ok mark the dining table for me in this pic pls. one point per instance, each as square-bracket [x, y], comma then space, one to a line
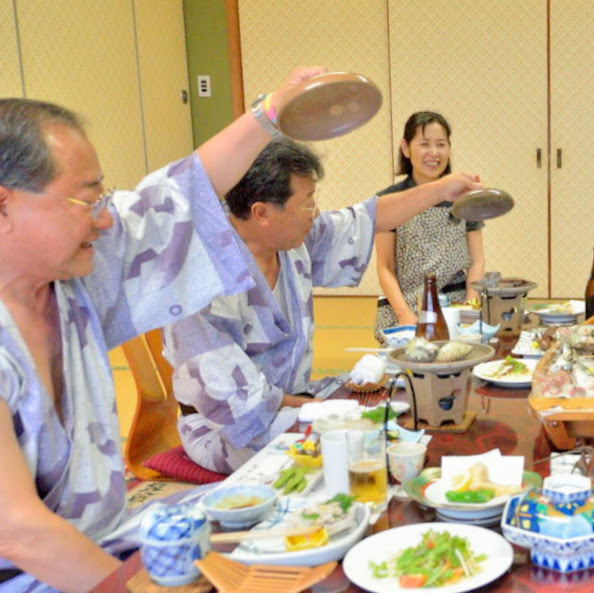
[503, 421]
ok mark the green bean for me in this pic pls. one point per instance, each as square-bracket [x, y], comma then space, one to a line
[301, 485]
[470, 496]
[294, 480]
[284, 476]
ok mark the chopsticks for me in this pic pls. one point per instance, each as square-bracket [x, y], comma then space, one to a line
[376, 350]
[237, 536]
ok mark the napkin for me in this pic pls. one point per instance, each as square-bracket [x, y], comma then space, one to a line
[370, 369]
[315, 410]
[502, 469]
[578, 307]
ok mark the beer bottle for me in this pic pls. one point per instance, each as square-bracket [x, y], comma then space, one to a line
[431, 324]
[590, 294]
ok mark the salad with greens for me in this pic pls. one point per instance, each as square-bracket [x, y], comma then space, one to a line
[440, 559]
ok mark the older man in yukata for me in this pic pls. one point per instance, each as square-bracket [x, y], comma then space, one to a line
[81, 272]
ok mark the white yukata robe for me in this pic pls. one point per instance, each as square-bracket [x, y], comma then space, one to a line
[164, 257]
[235, 359]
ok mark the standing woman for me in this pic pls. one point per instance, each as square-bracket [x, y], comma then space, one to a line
[433, 241]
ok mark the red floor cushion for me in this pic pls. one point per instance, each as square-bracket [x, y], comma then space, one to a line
[177, 465]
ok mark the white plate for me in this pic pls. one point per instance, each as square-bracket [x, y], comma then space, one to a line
[427, 490]
[265, 466]
[388, 544]
[272, 550]
[486, 369]
[549, 314]
[435, 494]
[525, 344]
[480, 521]
[553, 319]
[338, 421]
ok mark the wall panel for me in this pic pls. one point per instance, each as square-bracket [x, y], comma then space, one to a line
[10, 81]
[343, 35]
[163, 74]
[82, 54]
[483, 66]
[572, 130]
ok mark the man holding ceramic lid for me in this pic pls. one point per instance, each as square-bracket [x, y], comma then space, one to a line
[81, 272]
[243, 361]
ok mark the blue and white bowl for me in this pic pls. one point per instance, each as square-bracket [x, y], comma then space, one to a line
[243, 516]
[555, 523]
[399, 335]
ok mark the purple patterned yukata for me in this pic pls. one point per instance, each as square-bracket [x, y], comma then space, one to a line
[166, 256]
[236, 359]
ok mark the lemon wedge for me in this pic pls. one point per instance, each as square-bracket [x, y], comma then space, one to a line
[461, 482]
[316, 539]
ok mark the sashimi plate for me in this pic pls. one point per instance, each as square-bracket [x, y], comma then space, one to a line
[272, 550]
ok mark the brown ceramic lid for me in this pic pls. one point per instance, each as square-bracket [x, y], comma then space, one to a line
[327, 106]
[506, 286]
[481, 204]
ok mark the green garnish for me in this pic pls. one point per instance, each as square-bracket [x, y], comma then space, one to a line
[310, 516]
[378, 415]
[344, 500]
[510, 366]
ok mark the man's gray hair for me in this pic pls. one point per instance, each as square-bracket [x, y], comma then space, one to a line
[26, 161]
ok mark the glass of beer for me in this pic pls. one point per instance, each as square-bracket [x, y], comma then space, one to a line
[368, 476]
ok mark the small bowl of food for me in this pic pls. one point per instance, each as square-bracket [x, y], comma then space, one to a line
[239, 506]
[470, 338]
[487, 331]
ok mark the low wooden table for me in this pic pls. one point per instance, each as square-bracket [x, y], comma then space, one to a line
[502, 420]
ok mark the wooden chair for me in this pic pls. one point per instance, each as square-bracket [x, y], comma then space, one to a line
[154, 426]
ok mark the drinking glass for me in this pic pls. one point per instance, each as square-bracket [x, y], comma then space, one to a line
[368, 476]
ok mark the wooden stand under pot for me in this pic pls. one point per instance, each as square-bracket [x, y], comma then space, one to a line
[438, 391]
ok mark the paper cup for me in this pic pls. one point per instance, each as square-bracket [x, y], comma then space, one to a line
[452, 319]
[335, 462]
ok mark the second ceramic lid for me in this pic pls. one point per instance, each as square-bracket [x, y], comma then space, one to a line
[482, 204]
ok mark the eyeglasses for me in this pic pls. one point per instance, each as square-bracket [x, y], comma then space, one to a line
[96, 207]
[311, 209]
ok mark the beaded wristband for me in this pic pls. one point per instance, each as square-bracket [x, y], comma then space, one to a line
[265, 117]
[269, 109]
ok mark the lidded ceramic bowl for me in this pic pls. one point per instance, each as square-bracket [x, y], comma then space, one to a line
[555, 523]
